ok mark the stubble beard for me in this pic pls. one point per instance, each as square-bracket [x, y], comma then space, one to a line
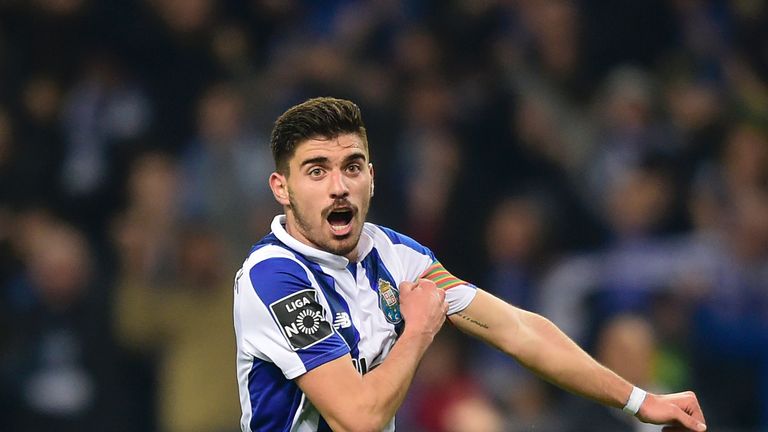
[343, 248]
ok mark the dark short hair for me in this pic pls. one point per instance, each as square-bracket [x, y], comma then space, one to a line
[323, 117]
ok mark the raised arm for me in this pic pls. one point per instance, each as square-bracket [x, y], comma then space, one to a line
[349, 401]
[541, 347]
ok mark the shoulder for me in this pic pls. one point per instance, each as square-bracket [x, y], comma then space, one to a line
[272, 271]
[270, 257]
[383, 235]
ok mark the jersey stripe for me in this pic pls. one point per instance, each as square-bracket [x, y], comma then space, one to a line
[375, 270]
[336, 302]
[270, 393]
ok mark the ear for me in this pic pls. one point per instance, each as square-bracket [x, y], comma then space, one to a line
[279, 185]
[370, 168]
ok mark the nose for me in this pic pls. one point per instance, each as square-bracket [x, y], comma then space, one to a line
[338, 185]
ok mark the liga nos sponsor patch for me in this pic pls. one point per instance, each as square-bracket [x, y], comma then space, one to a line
[301, 319]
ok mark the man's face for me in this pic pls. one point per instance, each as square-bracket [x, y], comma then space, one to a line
[327, 193]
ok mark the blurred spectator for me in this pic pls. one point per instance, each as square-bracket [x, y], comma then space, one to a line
[231, 48]
[745, 160]
[104, 116]
[39, 141]
[59, 366]
[184, 322]
[554, 30]
[626, 345]
[185, 17]
[629, 132]
[730, 326]
[695, 113]
[145, 232]
[224, 170]
[637, 203]
[516, 238]
[429, 187]
[639, 261]
[417, 53]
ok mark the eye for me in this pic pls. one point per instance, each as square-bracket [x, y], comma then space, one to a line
[316, 172]
[354, 168]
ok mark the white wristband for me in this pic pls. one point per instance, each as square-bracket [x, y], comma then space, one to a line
[636, 399]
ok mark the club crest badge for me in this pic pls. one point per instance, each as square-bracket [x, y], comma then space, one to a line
[389, 302]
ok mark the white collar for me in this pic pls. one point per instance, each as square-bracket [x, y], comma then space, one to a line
[364, 246]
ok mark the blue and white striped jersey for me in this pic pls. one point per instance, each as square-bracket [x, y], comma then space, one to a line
[297, 307]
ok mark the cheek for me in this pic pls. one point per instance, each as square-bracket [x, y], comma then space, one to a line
[307, 201]
[302, 192]
[362, 187]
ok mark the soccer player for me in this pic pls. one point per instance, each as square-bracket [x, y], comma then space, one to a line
[333, 314]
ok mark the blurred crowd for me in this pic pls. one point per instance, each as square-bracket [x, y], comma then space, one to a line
[602, 162]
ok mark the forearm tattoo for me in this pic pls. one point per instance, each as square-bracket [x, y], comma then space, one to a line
[473, 321]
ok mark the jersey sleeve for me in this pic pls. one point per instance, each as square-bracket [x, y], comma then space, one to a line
[458, 293]
[279, 317]
[420, 262]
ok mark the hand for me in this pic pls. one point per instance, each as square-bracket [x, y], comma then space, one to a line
[680, 411]
[423, 306]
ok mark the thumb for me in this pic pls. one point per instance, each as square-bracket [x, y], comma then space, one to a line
[689, 422]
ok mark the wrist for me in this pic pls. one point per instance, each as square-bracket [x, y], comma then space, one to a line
[635, 400]
[416, 336]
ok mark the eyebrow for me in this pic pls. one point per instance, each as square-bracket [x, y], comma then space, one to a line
[322, 160]
[355, 156]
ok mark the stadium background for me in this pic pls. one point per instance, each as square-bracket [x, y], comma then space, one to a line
[604, 163]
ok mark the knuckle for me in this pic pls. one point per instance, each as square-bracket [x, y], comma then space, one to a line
[427, 283]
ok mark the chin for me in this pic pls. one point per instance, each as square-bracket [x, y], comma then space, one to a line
[345, 245]
[341, 248]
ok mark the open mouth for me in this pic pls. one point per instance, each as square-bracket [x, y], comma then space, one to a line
[340, 220]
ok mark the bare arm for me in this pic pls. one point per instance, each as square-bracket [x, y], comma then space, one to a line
[372, 399]
[541, 347]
